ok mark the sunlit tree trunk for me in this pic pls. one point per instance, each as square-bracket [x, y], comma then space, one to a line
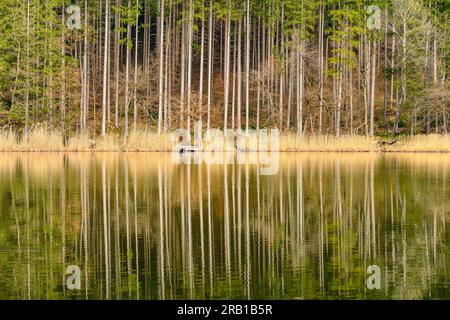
[105, 68]
[127, 70]
[247, 69]
[227, 67]
[202, 59]
[161, 66]
[210, 61]
[136, 48]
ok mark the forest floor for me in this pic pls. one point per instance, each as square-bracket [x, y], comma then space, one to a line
[43, 140]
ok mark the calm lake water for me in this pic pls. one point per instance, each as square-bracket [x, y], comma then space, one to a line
[139, 226]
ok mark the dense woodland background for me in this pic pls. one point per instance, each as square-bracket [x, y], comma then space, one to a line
[306, 66]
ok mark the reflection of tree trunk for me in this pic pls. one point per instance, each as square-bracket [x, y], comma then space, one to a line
[105, 227]
[404, 244]
[259, 217]
[85, 224]
[300, 207]
[168, 224]
[280, 196]
[183, 219]
[189, 236]
[226, 227]
[290, 211]
[135, 191]
[127, 224]
[161, 66]
[402, 81]
[63, 232]
[372, 204]
[321, 232]
[247, 228]
[233, 209]
[393, 253]
[434, 235]
[210, 230]
[367, 219]
[338, 190]
[202, 239]
[239, 217]
[161, 235]
[117, 234]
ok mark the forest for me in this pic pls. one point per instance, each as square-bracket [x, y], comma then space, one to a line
[306, 67]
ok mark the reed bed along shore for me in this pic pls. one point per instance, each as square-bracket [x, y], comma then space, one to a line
[45, 140]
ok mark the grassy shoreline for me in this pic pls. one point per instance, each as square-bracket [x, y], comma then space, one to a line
[44, 140]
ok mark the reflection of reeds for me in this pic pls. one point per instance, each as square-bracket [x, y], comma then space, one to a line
[430, 161]
[40, 166]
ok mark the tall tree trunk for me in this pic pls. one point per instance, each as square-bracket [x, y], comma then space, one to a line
[85, 97]
[385, 79]
[127, 70]
[117, 33]
[239, 77]
[247, 69]
[227, 67]
[189, 66]
[161, 66]
[136, 48]
[210, 61]
[282, 74]
[392, 84]
[402, 79]
[202, 59]
[63, 70]
[300, 87]
[321, 62]
[372, 88]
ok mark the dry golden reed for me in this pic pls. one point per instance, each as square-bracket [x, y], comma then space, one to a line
[41, 139]
[350, 143]
[8, 141]
[423, 143]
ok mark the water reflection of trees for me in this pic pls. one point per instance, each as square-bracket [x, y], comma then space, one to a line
[142, 227]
